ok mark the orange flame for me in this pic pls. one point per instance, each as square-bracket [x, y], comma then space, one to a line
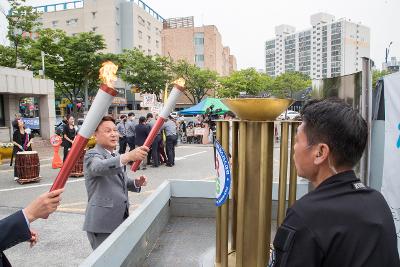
[108, 73]
[180, 82]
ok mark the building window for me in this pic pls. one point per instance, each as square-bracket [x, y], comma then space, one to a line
[94, 29]
[72, 22]
[140, 47]
[157, 31]
[148, 39]
[141, 20]
[157, 44]
[199, 40]
[148, 25]
[149, 52]
[199, 58]
[94, 14]
[140, 34]
[54, 23]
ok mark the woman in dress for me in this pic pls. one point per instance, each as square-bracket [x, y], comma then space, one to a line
[22, 142]
[69, 133]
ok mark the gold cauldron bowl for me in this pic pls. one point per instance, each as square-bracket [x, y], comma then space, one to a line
[257, 109]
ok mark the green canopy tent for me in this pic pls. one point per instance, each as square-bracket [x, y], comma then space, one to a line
[202, 107]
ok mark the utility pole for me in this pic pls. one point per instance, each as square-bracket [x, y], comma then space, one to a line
[42, 54]
[387, 52]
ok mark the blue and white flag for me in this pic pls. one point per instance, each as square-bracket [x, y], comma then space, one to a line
[223, 168]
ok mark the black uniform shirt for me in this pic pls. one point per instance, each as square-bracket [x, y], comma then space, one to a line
[341, 223]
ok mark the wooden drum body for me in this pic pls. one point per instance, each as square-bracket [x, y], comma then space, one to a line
[77, 170]
[28, 166]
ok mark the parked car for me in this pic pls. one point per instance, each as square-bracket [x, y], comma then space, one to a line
[289, 115]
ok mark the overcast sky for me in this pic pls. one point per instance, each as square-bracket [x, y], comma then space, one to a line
[245, 25]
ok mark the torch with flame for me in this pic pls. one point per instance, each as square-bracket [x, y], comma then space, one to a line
[98, 109]
[179, 87]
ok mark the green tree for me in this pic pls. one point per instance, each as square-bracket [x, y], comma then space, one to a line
[247, 80]
[21, 19]
[72, 62]
[149, 73]
[288, 83]
[199, 82]
[7, 56]
[377, 74]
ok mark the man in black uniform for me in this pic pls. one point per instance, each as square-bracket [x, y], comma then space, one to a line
[342, 223]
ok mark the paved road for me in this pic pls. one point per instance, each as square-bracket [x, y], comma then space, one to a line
[62, 242]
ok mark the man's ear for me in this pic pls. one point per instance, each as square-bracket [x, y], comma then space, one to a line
[322, 152]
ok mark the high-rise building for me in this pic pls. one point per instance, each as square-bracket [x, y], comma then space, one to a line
[201, 46]
[123, 24]
[330, 48]
[393, 65]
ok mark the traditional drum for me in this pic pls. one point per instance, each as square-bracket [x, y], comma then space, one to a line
[28, 166]
[77, 170]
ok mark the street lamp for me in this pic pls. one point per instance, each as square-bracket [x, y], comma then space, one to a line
[387, 52]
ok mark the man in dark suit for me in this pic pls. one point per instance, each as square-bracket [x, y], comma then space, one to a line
[155, 155]
[142, 131]
[107, 184]
[15, 228]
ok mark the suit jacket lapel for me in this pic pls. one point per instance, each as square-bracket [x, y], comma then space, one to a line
[104, 152]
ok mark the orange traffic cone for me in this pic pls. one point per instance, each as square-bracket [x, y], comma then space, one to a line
[56, 141]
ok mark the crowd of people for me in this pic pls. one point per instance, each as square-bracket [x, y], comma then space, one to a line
[199, 130]
[133, 133]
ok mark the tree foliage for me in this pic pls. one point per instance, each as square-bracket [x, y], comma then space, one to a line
[377, 74]
[7, 56]
[288, 83]
[149, 73]
[247, 80]
[22, 20]
[199, 82]
[72, 62]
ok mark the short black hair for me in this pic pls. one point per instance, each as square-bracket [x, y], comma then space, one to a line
[142, 119]
[149, 115]
[105, 118]
[131, 114]
[230, 114]
[337, 124]
[123, 116]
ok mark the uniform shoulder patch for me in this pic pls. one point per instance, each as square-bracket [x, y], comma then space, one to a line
[359, 186]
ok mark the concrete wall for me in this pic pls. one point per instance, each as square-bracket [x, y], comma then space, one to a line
[15, 84]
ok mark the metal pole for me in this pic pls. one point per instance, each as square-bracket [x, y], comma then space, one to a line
[265, 196]
[366, 98]
[43, 69]
[283, 172]
[293, 172]
[218, 212]
[225, 206]
[241, 193]
[235, 126]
